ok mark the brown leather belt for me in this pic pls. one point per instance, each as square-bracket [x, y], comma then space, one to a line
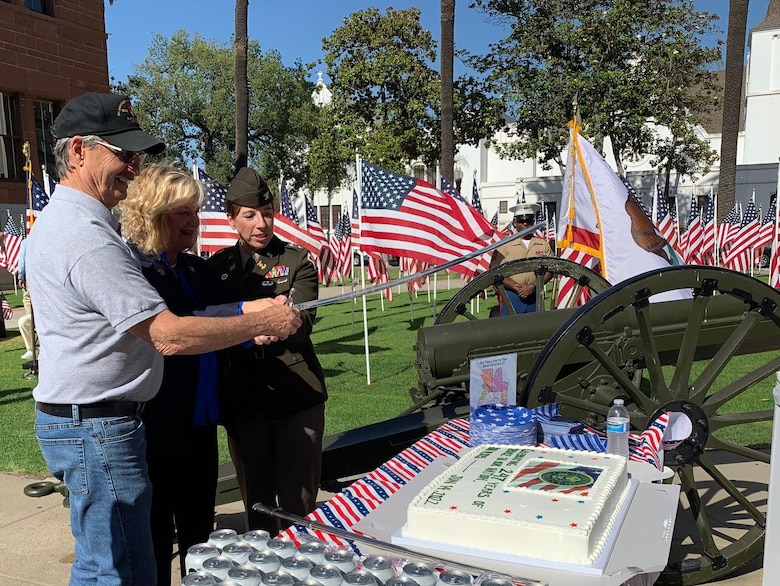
[92, 410]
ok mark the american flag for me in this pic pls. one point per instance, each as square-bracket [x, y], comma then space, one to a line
[694, 234]
[708, 232]
[726, 231]
[403, 216]
[666, 218]
[475, 199]
[567, 287]
[342, 246]
[215, 230]
[449, 188]
[494, 220]
[38, 200]
[774, 267]
[326, 262]
[766, 234]
[10, 246]
[8, 312]
[377, 273]
[738, 257]
[412, 266]
[286, 225]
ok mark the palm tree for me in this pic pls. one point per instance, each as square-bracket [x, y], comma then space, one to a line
[447, 57]
[240, 47]
[732, 104]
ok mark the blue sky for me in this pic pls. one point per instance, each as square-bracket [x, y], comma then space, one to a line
[295, 28]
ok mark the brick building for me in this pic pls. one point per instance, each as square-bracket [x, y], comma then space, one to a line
[50, 52]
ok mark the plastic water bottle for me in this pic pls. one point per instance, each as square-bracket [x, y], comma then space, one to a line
[618, 424]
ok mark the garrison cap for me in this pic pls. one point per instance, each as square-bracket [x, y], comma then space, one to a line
[249, 189]
[108, 116]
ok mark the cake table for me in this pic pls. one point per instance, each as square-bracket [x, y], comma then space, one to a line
[375, 505]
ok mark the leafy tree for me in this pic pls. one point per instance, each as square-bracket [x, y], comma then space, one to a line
[621, 61]
[386, 93]
[184, 92]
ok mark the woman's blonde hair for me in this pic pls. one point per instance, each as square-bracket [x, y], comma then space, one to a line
[159, 188]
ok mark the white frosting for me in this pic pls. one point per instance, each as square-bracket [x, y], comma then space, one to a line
[541, 503]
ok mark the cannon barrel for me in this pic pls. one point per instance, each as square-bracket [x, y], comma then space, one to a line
[444, 350]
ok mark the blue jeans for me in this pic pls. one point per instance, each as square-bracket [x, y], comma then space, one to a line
[103, 463]
[526, 305]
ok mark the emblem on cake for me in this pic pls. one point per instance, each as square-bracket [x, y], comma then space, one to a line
[555, 477]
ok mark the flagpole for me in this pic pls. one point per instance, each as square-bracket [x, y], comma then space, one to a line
[195, 176]
[363, 276]
[772, 261]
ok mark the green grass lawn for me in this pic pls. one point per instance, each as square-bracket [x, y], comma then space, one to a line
[338, 337]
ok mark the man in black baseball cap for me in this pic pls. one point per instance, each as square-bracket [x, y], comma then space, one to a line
[108, 116]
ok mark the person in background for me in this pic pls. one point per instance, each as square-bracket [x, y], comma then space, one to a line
[26, 323]
[104, 330]
[160, 221]
[273, 396]
[521, 287]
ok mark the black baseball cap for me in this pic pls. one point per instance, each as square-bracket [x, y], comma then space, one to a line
[109, 116]
[249, 189]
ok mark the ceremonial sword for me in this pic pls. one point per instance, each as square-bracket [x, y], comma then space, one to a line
[403, 280]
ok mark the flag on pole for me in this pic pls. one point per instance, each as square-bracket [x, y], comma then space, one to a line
[215, 230]
[325, 261]
[37, 201]
[475, 199]
[726, 232]
[494, 220]
[286, 225]
[344, 252]
[8, 312]
[599, 217]
[567, 287]
[666, 218]
[377, 273]
[10, 246]
[449, 188]
[738, 256]
[694, 234]
[766, 232]
[355, 220]
[403, 216]
[708, 232]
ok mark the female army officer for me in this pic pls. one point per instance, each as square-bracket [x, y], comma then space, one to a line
[273, 397]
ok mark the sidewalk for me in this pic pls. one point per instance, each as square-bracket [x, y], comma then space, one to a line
[38, 548]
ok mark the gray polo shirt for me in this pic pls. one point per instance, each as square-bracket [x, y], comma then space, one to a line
[87, 291]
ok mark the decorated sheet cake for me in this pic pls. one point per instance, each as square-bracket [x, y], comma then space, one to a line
[543, 503]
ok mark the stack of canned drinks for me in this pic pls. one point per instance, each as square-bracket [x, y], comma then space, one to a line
[255, 559]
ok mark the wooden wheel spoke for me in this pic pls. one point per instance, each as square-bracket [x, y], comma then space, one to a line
[711, 469]
[645, 403]
[658, 387]
[540, 291]
[697, 510]
[717, 399]
[701, 385]
[685, 359]
[739, 450]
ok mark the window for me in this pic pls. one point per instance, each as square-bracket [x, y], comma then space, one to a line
[11, 157]
[44, 118]
[503, 206]
[324, 218]
[335, 215]
[42, 6]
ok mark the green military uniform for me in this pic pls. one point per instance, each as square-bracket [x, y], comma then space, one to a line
[273, 396]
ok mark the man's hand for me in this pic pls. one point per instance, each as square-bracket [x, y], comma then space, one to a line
[282, 321]
[526, 290]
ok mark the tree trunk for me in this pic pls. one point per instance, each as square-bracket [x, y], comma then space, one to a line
[732, 105]
[241, 85]
[447, 57]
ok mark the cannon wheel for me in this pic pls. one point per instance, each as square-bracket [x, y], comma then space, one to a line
[698, 392]
[585, 279]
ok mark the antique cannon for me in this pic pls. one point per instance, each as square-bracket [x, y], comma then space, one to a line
[678, 356]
